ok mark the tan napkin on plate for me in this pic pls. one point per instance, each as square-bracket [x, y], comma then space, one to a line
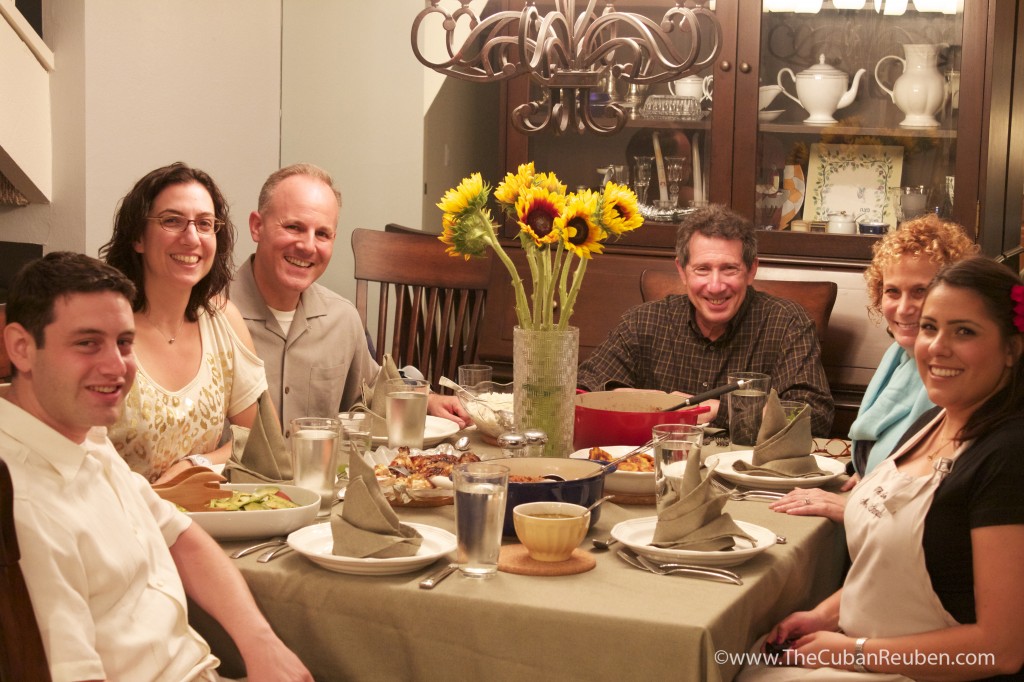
[690, 514]
[259, 454]
[375, 397]
[783, 446]
[367, 525]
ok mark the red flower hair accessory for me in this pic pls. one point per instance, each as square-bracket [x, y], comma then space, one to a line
[1017, 294]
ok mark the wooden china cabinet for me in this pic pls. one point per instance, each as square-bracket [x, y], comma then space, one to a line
[775, 168]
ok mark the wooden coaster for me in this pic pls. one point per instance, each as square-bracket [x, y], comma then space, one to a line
[633, 498]
[516, 559]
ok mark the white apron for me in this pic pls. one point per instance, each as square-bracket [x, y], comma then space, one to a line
[884, 521]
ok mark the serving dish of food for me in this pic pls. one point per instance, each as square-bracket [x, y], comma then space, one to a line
[417, 478]
[583, 483]
[626, 417]
[635, 476]
[258, 510]
[490, 404]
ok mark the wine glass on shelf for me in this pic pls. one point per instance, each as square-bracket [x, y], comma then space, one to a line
[674, 169]
[642, 166]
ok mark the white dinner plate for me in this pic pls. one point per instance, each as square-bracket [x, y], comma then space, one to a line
[316, 544]
[260, 523]
[436, 430]
[722, 462]
[631, 482]
[638, 533]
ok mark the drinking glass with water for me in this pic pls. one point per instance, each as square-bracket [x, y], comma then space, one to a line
[406, 412]
[672, 447]
[746, 407]
[480, 492]
[314, 449]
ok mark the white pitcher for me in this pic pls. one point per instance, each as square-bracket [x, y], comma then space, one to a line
[921, 90]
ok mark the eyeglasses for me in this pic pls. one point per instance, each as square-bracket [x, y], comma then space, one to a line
[177, 223]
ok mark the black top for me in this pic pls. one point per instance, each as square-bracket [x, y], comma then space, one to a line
[983, 489]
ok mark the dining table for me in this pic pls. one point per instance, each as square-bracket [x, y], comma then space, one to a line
[613, 622]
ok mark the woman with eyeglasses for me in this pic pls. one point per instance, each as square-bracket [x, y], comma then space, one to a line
[903, 264]
[197, 366]
[936, 531]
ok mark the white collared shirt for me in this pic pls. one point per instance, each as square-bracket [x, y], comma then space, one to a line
[94, 541]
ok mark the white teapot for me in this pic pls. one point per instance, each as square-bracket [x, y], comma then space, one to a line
[821, 89]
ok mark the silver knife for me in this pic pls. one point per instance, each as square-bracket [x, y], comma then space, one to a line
[433, 579]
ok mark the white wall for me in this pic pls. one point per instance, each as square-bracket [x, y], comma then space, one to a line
[353, 104]
[142, 83]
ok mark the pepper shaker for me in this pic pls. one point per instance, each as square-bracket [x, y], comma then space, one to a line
[512, 444]
[535, 441]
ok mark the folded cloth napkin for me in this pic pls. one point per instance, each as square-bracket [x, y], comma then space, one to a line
[784, 445]
[367, 525]
[375, 397]
[690, 514]
[259, 454]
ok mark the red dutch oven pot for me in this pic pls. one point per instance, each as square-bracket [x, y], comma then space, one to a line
[625, 417]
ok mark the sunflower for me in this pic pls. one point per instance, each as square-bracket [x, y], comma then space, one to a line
[469, 235]
[536, 210]
[469, 196]
[575, 225]
[512, 186]
[619, 212]
[581, 232]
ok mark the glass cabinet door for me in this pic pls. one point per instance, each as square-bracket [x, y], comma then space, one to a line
[664, 151]
[858, 113]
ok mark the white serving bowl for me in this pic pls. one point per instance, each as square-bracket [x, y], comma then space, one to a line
[260, 523]
[628, 482]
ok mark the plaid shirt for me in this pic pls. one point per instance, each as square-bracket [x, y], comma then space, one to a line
[658, 345]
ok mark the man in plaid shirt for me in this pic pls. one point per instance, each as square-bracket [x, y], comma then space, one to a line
[690, 343]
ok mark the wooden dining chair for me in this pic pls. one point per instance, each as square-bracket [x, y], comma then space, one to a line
[817, 297]
[22, 656]
[431, 305]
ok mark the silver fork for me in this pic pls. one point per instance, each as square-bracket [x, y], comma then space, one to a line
[735, 494]
[704, 572]
[274, 542]
[665, 568]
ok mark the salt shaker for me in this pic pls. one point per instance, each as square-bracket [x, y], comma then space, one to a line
[535, 441]
[512, 444]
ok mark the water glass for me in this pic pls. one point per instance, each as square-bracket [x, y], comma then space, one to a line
[791, 408]
[746, 407]
[314, 450]
[481, 489]
[355, 434]
[406, 412]
[471, 375]
[672, 448]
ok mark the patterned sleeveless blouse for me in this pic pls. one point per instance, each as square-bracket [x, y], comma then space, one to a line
[157, 427]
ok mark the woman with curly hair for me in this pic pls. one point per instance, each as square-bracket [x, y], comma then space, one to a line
[936, 530]
[903, 264]
[197, 366]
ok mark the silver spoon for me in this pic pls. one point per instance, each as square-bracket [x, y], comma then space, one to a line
[599, 502]
[462, 444]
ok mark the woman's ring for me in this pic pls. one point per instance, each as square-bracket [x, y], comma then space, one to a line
[807, 501]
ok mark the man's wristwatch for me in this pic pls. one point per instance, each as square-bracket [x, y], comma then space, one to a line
[198, 460]
[858, 655]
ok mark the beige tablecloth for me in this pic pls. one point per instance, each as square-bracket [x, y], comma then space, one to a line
[612, 623]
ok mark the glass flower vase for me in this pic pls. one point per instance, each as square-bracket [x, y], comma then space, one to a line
[544, 368]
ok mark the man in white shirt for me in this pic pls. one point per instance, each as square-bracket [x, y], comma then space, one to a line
[106, 561]
[310, 339]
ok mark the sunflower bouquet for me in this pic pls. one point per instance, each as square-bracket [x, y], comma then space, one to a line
[559, 233]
